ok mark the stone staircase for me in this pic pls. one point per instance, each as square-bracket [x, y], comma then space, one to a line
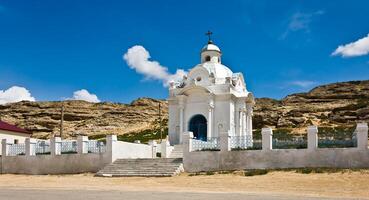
[177, 151]
[146, 167]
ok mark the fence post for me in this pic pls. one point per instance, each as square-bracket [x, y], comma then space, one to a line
[164, 148]
[30, 145]
[5, 144]
[224, 141]
[55, 146]
[312, 137]
[267, 138]
[187, 142]
[362, 135]
[153, 145]
[82, 142]
[110, 146]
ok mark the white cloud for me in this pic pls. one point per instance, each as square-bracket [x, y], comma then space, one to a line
[300, 22]
[303, 84]
[137, 58]
[15, 94]
[85, 96]
[357, 48]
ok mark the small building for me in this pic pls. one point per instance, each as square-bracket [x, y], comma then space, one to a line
[13, 133]
[209, 100]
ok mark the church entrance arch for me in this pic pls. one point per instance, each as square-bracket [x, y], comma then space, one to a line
[198, 125]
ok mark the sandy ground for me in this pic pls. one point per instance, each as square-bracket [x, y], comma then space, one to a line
[347, 184]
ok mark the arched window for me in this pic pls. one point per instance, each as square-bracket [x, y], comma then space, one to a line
[207, 58]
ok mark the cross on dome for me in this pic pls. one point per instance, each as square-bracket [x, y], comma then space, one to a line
[209, 33]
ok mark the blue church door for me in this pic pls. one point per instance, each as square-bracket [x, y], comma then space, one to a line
[198, 125]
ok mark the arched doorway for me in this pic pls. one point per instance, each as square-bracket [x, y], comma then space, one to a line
[198, 125]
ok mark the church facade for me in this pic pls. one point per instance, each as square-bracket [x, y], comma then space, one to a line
[209, 100]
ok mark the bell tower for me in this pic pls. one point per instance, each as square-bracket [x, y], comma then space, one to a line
[210, 52]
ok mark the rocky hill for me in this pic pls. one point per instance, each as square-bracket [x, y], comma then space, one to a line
[339, 104]
[80, 117]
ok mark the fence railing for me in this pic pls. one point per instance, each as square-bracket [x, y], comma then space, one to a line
[42, 147]
[337, 143]
[293, 143]
[245, 142]
[211, 144]
[17, 149]
[94, 146]
[68, 147]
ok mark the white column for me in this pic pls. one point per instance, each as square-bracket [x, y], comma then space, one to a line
[210, 121]
[181, 129]
[239, 123]
[244, 122]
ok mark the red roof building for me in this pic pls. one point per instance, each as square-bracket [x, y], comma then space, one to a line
[8, 127]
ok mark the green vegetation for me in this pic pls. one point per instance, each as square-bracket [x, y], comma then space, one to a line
[144, 136]
[254, 172]
[340, 132]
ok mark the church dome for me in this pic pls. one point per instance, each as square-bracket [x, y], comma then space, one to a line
[210, 47]
[219, 70]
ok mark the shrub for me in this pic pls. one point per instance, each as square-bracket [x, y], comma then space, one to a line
[255, 172]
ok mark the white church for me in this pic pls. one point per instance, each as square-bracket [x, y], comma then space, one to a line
[209, 100]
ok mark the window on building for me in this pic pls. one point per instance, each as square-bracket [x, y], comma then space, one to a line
[207, 58]
[16, 141]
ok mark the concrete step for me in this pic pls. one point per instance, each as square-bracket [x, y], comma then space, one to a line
[177, 152]
[160, 167]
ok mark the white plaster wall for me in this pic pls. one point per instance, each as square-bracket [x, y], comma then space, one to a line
[47, 164]
[131, 150]
[221, 115]
[276, 158]
[11, 136]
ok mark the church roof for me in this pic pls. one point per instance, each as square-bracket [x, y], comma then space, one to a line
[8, 127]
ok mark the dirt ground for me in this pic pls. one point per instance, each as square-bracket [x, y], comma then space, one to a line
[342, 184]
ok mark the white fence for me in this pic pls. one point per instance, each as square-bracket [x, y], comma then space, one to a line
[244, 153]
[56, 156]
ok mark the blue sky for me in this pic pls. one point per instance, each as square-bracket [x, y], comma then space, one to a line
[55, 48]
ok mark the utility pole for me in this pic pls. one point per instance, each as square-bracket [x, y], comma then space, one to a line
[161, 132]
[61, 120]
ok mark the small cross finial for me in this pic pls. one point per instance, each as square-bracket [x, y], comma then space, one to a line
[209, 33]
